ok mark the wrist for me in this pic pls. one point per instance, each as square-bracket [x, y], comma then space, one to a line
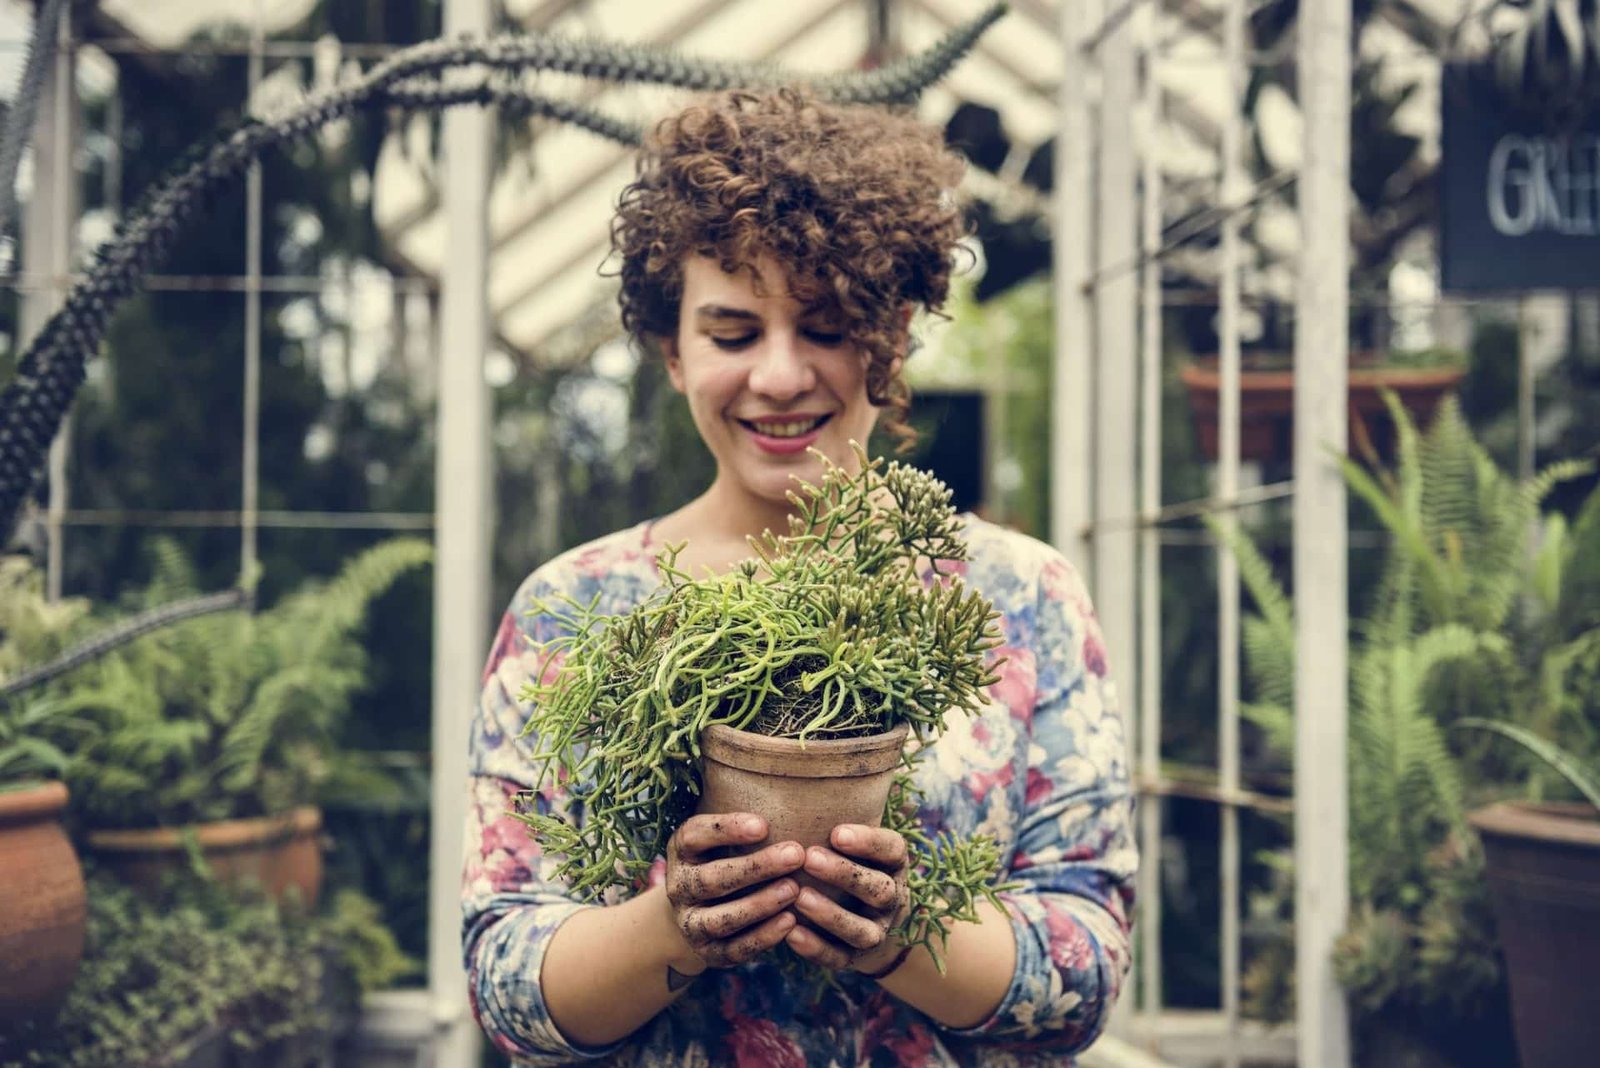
[674, 949]
[878, 966]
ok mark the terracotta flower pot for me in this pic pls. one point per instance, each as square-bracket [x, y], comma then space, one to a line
[1266, 403]
[1543, 869]
[43, 907]
[802, 789]
[275, 852]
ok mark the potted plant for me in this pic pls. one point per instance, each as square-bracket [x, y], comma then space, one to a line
[41, 881]
[1464, 626]
[817, 658]
[1419, 379]
[215, 735]
[1542, 853]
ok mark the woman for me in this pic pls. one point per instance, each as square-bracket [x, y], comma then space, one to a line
[773, 249]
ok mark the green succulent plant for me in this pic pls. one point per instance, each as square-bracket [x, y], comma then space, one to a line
[828, 632]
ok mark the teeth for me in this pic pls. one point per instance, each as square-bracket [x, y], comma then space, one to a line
[788, 430]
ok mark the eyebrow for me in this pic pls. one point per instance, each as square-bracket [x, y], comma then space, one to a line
[722, 311]
[719, 311]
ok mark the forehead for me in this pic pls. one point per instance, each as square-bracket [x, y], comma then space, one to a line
[762, 285]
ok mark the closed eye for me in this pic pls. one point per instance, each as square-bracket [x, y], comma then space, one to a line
[732, 344]
[827, 338]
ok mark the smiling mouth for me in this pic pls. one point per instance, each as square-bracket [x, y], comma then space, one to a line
[792, 429]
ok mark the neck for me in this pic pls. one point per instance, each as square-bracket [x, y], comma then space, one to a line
[717, 525]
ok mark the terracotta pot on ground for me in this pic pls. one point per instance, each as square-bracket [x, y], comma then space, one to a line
[802, 789]
[1543, 869]
[275, 852]
[43, 907]
[1266, 403]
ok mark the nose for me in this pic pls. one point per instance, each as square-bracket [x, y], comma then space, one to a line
[782, 369]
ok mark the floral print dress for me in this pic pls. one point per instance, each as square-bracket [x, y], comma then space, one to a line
[1042, 768]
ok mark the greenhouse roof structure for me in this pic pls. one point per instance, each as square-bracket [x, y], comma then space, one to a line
[550, 208]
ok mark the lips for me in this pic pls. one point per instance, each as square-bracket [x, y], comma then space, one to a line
[788, 434]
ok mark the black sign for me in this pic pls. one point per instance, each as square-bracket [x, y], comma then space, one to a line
[1519, 199]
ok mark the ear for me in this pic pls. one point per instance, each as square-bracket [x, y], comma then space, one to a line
[669, 356]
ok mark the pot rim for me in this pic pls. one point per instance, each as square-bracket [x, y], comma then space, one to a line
[1565, 823]
[1199, 374]
[215, 835]
[816, 758]
[30, 804]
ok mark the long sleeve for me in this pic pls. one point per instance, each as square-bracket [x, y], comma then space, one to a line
[1074, 850]
[511, 904]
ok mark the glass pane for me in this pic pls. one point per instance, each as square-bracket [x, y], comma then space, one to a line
[168, 110]
[347, 412]
[317, 193]
[158, 425]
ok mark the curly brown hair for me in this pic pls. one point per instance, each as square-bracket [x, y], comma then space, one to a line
[857, 203]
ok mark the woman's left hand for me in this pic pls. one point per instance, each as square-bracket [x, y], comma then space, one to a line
[869, 864]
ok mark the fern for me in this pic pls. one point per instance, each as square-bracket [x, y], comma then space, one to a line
[228, 715]
[1465, 625]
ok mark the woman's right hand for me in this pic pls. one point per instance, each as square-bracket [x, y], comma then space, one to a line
[730, 909]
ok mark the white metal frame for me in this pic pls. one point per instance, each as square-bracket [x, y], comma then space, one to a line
[464, 507]
[1102, 451]
[1105, 491]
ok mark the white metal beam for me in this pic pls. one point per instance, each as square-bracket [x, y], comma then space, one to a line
[1321, 814]
[1232, 190]
[1116, 362]
[1150, 338]
[1072, 407]
[464, 509]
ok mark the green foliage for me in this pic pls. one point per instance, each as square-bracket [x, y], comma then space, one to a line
[1463, 624]
[831, 632]
[230, 715]
[34, 731]
[160, 974]
[1558, 758]
[367, 948]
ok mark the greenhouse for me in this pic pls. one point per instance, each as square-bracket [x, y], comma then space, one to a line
[1210, 524]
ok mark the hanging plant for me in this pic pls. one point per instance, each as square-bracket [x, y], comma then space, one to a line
[1544, 55]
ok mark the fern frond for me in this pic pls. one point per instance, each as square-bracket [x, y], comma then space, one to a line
[1435, 585]
[1276, 723]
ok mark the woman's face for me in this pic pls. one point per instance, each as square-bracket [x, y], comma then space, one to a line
[767, 378]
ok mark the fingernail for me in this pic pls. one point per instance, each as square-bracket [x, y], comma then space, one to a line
[785, 891]
[846, 837]
[808, 898]
[750, 824]
[791, 854]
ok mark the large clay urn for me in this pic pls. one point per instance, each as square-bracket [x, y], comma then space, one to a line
[43, 907]
[280, 854]
[1542, 863]
[803, 789]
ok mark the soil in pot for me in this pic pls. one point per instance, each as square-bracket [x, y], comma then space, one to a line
[280, 854]
[802, 789]
[1543, 868]
[44, 907]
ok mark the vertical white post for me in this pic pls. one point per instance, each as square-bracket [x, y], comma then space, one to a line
[1321, 812]
[1150, 337]
[47, 256]
[1526, 376]
[250, 491]
[1116, 387]
[1232, 188]
[1071, 407]
[464, 517]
